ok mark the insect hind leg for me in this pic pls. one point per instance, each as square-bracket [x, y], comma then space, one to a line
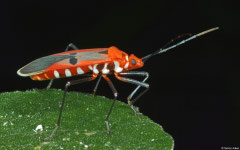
[70, 45]
[68, 84]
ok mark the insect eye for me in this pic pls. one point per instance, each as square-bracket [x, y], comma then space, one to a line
[134, 62]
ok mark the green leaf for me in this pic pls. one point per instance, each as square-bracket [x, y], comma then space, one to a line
[83, 123]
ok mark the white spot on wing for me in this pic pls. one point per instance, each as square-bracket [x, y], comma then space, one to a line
[68, 73]
[117, 67]
[126, 65]
[105, 70]
[79, 70]
[95, 69]
[56, 74]
[90, 67]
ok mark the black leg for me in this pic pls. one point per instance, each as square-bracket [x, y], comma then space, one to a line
[49, 84]
[137, 73]
[68, 84]
[115, 93]
[132, 81]
[96, 86]
[131, 102]
[72, 46]
[140, 73]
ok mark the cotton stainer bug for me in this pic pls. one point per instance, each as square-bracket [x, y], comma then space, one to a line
[93, 63]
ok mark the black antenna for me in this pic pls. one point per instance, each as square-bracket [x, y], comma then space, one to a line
[145, 58]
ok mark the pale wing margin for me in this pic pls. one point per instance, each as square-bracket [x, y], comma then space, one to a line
[39, 65]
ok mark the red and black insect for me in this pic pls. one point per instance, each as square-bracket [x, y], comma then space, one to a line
[93, 63]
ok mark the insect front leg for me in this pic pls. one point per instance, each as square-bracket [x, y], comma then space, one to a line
[136, 73]
[140, 84]
[72, 46]
[68, 84]
[115, 93]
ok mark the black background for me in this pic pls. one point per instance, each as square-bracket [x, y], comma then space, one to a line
[194, 91]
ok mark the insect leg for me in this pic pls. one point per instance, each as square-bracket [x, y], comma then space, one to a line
[131, 102]
[96, 86]
[143, 84]
[71, 45]
[137, 73]
[115, 93]
[49, 84]
[68, 84]
[132, 81]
